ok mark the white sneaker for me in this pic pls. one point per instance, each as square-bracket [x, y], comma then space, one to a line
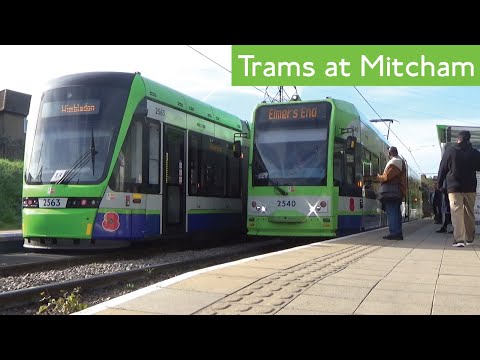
[458, 244]
[469, 242]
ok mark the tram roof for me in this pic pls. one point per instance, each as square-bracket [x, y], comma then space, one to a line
[449, 133]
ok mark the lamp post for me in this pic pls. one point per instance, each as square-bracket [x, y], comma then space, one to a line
[390, 121]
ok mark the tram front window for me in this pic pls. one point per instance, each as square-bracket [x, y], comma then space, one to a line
[294, 157]
[75, 135]
[290, 144]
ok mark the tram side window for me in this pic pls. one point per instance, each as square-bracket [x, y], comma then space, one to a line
[366, 154]
[350, 169]
[233, 178]
[117, 181]
[127, 175]
[213, 171]
[375, 165]
[132, 150]
[213, 167]
[383, 163]
[133, 157]
[344, 169]
[153, 136]
[366, 163]
[370, 168]
[194, 148]
[338, 163]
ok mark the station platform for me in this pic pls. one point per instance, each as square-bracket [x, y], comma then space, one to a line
[358, 274]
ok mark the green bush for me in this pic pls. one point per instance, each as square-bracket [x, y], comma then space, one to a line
[66, 304]
[10, 194]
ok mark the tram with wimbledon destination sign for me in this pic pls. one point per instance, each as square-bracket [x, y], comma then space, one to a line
[117, 158]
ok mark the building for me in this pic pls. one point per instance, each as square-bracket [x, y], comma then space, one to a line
[14, 108]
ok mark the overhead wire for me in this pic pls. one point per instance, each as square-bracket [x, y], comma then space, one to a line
[433, 116]
[265, 93]
[401, 142]
[428, 115]
[223, 67]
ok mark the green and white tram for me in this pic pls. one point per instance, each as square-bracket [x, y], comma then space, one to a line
[117, 158]
[308, 162]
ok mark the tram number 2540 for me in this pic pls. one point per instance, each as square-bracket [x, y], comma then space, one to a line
[283, 203]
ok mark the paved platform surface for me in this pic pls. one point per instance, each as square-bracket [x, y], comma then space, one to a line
[358, 274]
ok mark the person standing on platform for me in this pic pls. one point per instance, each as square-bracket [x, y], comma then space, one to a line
[395, 173]
[447, 220]
[458, 166]
[437, 198]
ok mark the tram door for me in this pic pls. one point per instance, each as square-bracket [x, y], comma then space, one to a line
[370, 215]
[153, 196]
[174, 181]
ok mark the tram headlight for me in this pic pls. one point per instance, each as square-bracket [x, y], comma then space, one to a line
[262, 208]
[321, 206]
[312, 209]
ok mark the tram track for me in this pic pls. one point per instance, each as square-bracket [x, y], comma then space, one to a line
[31, 295]
[41, 260]
[101, 286]
[25, 296]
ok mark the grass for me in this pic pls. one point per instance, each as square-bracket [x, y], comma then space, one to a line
[10, 194]
[11, 226]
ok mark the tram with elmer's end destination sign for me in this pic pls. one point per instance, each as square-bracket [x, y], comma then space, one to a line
[308, 164]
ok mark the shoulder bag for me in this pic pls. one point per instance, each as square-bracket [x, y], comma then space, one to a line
[389, 191]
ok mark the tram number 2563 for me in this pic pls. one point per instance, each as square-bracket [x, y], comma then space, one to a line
[51, 202]
[283, 203]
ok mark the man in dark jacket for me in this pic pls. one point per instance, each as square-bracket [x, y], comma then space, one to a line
[458, 166]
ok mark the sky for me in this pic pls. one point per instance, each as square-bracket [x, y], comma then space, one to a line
[417, 110]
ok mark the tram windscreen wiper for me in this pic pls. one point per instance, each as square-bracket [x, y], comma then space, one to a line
[276, 186]
[81, 162]
[260, 166]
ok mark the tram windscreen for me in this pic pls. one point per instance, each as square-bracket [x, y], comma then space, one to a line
[75, 135]
[290, 144]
